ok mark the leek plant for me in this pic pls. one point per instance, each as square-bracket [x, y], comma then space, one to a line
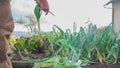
[74, 46]
[91, 45]
[83, 47]
[107, 46]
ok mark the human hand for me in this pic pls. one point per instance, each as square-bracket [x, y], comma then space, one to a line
[44, 5]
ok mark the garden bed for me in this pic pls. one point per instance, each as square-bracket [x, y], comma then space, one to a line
[81, 48]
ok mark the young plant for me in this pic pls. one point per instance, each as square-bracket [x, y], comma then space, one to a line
[37, 13]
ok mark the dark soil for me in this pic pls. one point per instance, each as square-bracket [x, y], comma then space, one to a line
[32, 56]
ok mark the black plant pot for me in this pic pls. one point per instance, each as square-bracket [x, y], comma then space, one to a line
[22, 64]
